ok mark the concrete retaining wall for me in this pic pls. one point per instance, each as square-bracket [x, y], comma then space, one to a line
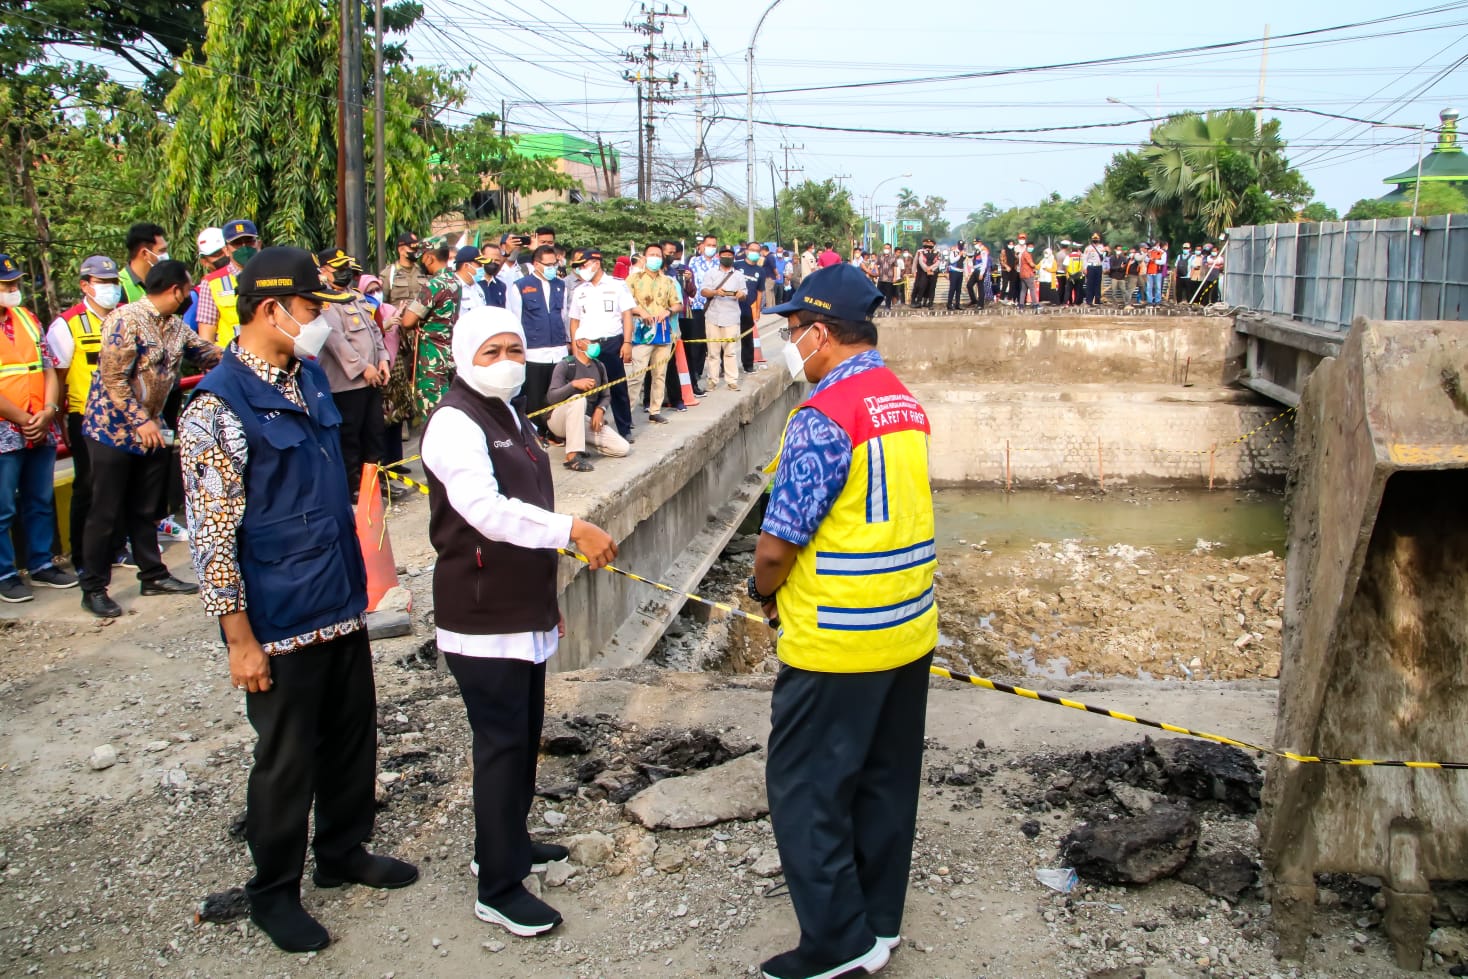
[1145, 434]
[671, 505]
[1063, 348]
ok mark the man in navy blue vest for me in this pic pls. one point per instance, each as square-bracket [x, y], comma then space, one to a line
[539, 300]
[275, 548]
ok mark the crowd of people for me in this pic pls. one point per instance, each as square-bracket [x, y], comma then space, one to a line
[102, 381]
[1065, 274]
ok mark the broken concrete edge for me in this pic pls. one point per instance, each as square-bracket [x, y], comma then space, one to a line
[387, 625]
[734, 790]
[640, 632]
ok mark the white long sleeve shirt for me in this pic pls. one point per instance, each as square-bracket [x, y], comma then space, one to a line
[455, 450]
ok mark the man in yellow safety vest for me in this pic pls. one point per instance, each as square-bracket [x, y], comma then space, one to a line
[845, 566]
[75, 341]
[217, 319]
[28, 409]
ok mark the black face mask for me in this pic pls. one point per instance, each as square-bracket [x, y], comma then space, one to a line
[186, 305]
[492, 269]
[727, 261]
[343, 277]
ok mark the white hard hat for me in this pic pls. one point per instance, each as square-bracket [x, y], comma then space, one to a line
[211, 240]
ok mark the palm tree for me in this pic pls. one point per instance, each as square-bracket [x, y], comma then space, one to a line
[1216, 169]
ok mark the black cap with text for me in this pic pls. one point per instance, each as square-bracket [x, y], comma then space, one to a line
[284, 271]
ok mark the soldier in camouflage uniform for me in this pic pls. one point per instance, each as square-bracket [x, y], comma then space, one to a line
[425, 365]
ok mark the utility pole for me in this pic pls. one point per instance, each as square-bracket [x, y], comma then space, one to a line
[699, 154]
[775, 199]
[1259, 103]
[749, 115]
[379, 140]
[351, 202]
[647, 80]
[841, 179]
[787, 170]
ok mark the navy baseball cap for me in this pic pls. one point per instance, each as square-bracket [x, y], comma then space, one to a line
[583, 255]
[465, 255]
[841, 291]
[240, 228]
[99, 267]
[9, 271]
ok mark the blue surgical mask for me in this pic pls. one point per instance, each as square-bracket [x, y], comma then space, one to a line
[654, 263]
[550, 272]
[108, 294]
[479, 273]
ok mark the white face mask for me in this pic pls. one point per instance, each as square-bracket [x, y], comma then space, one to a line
[586, 275]
[501, 379]
[793, 361]
[312, 336]
[10, 300]
[107, 295]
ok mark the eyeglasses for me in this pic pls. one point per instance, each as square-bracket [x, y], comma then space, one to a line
[785, 331]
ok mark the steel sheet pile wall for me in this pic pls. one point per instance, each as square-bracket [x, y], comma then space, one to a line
[1329, 274]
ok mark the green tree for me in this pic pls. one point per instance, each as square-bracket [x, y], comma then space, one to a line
[1214, 169]
[1436, 198]
[820, 212]
[929, 211]
[255, 128]
[474, 154]
[1317, 211]
[618, 224]
[70, 172]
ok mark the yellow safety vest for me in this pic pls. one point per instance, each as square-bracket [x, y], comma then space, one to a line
[86, 336]
[860, 597]
[222, 289]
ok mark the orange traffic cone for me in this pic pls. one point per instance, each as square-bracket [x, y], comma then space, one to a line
[684, 379]
[759, 353]
[382, 570]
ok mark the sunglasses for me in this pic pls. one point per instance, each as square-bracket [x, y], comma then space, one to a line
[785, 331]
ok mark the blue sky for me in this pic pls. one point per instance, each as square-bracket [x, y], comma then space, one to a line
[566, 56]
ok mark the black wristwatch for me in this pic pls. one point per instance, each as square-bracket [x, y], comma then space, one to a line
[754, 592]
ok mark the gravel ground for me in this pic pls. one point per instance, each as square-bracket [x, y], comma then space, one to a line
[103, 871]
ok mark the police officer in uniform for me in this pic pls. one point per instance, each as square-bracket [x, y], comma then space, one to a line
[75, 340]
[217, 319]
[845, 563]
[275, 548]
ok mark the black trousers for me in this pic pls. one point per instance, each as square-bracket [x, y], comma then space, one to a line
[537, 385]
[505, 701]
[746, 340]
[1093, 285]
[924, 286]
[392, 442]
[888, 292]
[316, 733]
[611, 359]
[361, 431]
[81, 492]
[126, 492]
[672, 385]
[976, 290]
[843, 772]
[955, 289]
[693, 327]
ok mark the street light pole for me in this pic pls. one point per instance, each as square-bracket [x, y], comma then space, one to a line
[866, 238]
[749, 117]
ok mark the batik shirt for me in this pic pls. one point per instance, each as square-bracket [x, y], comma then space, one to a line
[701, 267]
[214, 456]
[437, 307]
[814, 463]
[141, 358]
[656, 294]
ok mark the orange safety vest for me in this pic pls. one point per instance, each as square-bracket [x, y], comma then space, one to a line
[22, 379]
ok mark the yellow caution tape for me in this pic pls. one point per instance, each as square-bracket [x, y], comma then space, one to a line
[1117, 715]
[1049, 698]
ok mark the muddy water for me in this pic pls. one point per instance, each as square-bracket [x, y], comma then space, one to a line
[1163, 520]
